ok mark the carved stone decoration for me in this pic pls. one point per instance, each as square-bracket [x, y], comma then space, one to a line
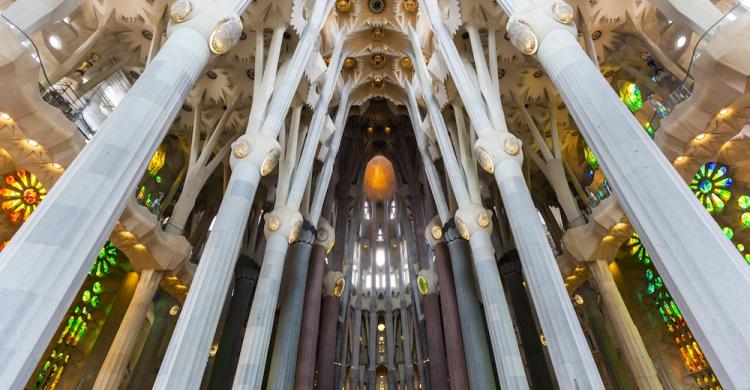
[377, 61]
[377, 34]
[376, 6]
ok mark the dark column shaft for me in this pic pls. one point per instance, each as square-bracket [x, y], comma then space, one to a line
[327, 350]
[308, 340]
[228, 353]
[144, 372]
[536, 362]
[438, 365]
[595, 318]
[454, 345]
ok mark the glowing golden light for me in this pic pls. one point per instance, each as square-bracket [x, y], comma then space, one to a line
[56, 165]
[381, 327]
[680, 159]
[725, 111]
[700, 137]
[157, 161]
[32, 143]
[4, 116]
[380, 179]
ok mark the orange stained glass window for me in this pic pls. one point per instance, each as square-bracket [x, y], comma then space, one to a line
[21, 194]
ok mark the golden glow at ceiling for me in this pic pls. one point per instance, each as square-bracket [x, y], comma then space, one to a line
[380, 179]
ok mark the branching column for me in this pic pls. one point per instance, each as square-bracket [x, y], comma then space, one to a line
[678, 232]
[65, 233]
[499, 152]
[253, 154]
[633, 350]
[115, 365]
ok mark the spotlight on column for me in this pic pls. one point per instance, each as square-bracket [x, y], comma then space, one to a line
[224, 35]
[180, 11]
[273, 222]
[577, 299]
[681, 41]
[563, 12]
[463, 231]
[381, 327]
[483, 220]
[436, 232]
[484, 159]
[270, 162]
[522, 36]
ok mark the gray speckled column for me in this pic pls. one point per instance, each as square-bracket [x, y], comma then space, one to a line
[286, 341]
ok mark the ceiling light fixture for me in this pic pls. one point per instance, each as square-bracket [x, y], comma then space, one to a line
[32, 143]
[681, 41]
[55, 42]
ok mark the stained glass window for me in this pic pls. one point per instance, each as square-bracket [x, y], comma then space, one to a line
[105, 260]
[630, 94]
[689, 351]
[591, 159]
[637, 250]
[157, 161]
[21, 194]
[711, 185]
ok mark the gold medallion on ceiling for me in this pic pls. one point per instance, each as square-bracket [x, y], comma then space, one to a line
[377, 34]
[376, 6]
[378, 83]
[410, 5]
[344, 5]
[377, 61]
[406, 63]
[350, 62]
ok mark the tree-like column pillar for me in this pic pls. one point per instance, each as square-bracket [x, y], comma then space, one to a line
[115, 365]
[633, 350]
[65, 233]
[678, 232]
[454, 345]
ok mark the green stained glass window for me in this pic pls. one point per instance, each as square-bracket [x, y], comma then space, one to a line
[743, 202]
[711, 185]
[97, 288]
[591, 159]
[745, 219]
[105, 260]
[649, 129]
[728, 232]
[630, 94]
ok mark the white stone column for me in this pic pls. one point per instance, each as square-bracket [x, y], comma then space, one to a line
[571, 358]
[254, 153]
[703, 271]
[633, 350]
[499, 152]
[115, 364]
[47, 260]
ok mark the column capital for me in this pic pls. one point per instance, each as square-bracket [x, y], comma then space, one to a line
[325, 235]
[433, 232]
[333, 284]
[427, 282]
[214, 20]
[257, 149]
[285, 222]
[494, 148]
[528, 27]
[472, 218]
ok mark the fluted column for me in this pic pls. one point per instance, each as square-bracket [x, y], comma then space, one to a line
[631, 345]
[281, 371]
[454, 346]
[601, 337]
[476, 347]
[115, 365]
[308, 341]
[680, 235]
[66, 232]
